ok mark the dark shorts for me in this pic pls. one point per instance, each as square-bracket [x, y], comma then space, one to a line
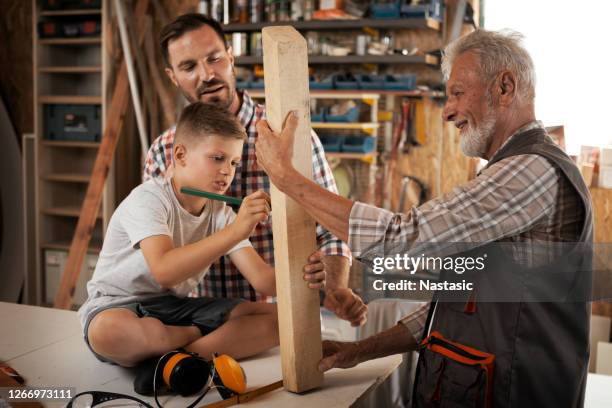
[204, 312]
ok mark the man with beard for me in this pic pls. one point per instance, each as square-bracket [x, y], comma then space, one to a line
[201, 65]
[530, 351]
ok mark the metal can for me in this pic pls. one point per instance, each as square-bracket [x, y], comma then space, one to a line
[239, 44]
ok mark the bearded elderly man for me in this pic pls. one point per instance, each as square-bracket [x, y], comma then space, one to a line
[503, 354]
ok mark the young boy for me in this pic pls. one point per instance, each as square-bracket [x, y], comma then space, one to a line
[159, 245]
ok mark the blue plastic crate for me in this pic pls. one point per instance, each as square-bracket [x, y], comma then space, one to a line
[359, 144]
[342, 81]
[257, 83]
[243, 83]
[435, 10]
[351, 116]
[331, 143]
[325, 83]
[405, 82]
[371, 81]
[385, 10]
[318, 116]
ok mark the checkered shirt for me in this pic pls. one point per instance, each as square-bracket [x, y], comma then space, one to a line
[223, 278]
[521, 198]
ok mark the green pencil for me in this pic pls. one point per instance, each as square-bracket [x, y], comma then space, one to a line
[212, 196]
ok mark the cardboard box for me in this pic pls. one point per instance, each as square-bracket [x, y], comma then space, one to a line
[605, 176]
[605, 156]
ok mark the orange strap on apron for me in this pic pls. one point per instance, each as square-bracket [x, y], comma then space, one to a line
[464, 355]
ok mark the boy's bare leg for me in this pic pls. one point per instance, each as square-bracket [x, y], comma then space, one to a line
[250, 329]
[123, 337]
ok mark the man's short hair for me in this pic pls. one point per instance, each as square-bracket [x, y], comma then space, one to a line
[183, 24]
[497, 51]
[199, 120]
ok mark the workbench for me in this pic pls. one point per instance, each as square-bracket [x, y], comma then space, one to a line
[46, 347]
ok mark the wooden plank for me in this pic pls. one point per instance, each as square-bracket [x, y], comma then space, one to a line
[71, 99]
[71, 69]
[93, 197]
[71, 41]
[286, 85]
[69, 143]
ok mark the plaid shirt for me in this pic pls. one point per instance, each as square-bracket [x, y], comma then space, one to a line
[521, 198]
[223, 278]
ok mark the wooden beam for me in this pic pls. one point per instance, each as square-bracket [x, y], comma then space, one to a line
[286, 86]
[93, 196]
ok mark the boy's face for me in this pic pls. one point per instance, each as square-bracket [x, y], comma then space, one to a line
[209, 164]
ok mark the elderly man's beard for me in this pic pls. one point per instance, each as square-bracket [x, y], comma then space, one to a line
[475, 140]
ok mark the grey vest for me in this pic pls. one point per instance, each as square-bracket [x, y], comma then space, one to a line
[519, 353]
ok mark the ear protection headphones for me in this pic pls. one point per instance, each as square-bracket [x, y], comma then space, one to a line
[184, 373]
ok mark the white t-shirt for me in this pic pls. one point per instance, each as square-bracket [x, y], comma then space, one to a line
[121, 274]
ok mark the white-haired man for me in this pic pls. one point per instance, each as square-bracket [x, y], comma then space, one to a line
[511, 342]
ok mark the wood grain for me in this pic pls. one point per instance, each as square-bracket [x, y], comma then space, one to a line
[286, 86]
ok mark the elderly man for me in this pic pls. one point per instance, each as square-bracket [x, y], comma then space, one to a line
[201, 65]
[532, 350]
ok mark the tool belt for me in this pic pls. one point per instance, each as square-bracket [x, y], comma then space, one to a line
[453, 375]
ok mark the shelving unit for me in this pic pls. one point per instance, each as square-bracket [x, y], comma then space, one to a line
[315, 25]
[426, 59]
[67, 71]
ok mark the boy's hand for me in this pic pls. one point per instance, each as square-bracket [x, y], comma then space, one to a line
[255, 208]
[314, 271]
[346, 305]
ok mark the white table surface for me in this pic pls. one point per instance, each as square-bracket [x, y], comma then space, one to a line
[46, 347]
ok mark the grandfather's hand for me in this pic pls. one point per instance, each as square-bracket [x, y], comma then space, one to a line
[274, 152]
[339, 354]
[314, 271]
[345, 304]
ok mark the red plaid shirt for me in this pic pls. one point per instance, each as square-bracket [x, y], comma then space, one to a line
[223, 278]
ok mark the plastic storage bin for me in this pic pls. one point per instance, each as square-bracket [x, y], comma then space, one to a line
[371, 81]
[325, 83]
[331, 143]
[359, 144]
[351, 116]
[385, 10]
[345, 81]
[400, 82]
[257, 83]
[72, 122]
[318, 116]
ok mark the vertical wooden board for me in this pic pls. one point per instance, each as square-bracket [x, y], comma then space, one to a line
[286, 88]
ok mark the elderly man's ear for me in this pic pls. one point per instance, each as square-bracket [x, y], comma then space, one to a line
[505, 88]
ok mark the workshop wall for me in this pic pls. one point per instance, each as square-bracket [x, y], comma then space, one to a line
[16, 68]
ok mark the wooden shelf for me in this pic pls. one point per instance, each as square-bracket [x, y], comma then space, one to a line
[344, 125]
[327, 94]
[353, 59]
[79, 12]
[355, 24]
[360, 156]
[71, 70]
[356, 94]
[94, 247]
[70, 41]
[67, 177]
[71, 144]
[70, 99]
[65, 211]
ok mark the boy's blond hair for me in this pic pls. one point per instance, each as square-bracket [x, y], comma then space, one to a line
[199, 120]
